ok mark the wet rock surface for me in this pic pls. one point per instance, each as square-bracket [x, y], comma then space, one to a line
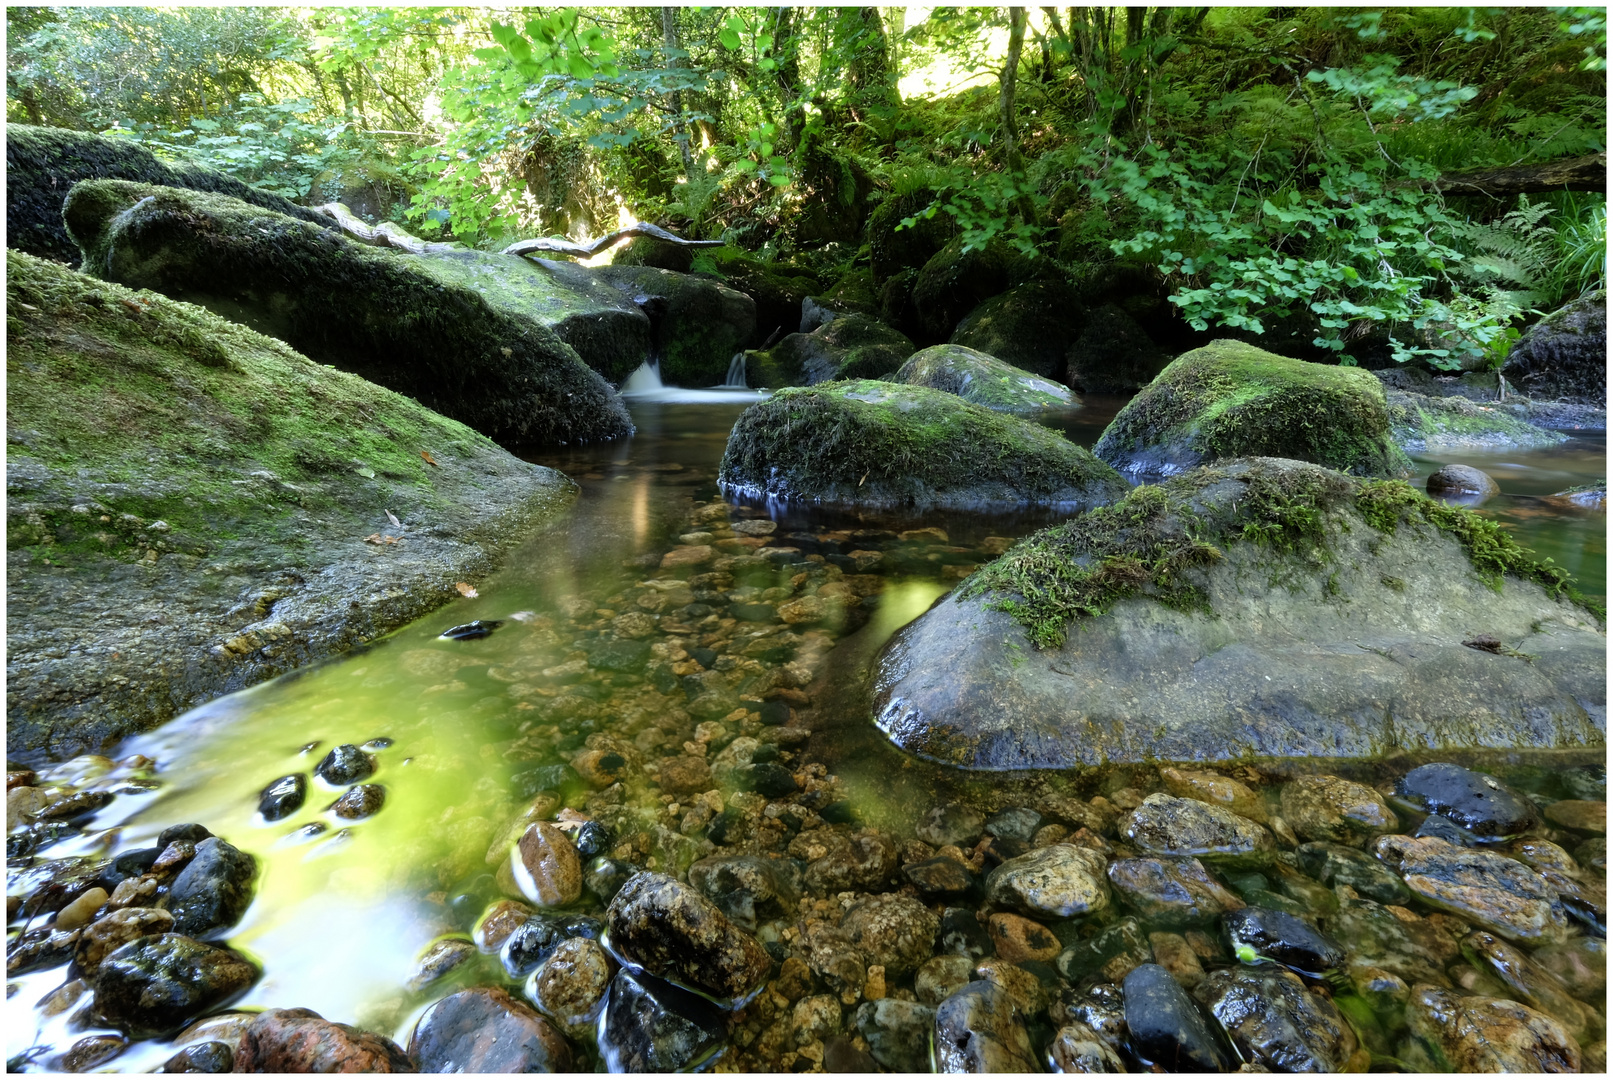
[1498, 893]
[1170, 891]
[1476, 801]
[1274, 1021]
[1483, 1034]
[1334, 809]
[302, 1041]
[570, 987]
[979, 1029]
[677, 934]
[1167, 1029]
[1286, 939]
[154, 985]
[213, 891]
[1164, 825]
[1060, 881]
[898, 1033]
[652, 1026]
[485, 1030]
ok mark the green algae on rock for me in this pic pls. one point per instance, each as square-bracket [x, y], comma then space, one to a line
[1422, 423]
[983, 380]
[1258, 607]
[873, 443]
[189, 506]
[846, 347]
[377, 314]
[43, 163]
[1229, 399]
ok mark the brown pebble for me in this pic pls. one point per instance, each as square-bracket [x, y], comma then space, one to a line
[498, 922]
[173, 857]
[1017, 938]
[687, 775]
[80, 911]
[19, 778]
[1175, 955]
[93, 1052]
[794, 980]
[360, 801]
[545, 867]
[113, 931]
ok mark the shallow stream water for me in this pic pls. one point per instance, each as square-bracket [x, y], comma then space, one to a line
[343, 909]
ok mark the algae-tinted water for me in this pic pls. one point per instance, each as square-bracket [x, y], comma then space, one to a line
[343, 908]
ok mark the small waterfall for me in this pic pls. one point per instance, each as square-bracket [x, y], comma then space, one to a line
[646, 378]
[736, 373]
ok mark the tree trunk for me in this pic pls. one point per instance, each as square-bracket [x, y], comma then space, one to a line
[1588, 173]
[670, 40]
[787, 75]
[869, 72]
[1010, 120]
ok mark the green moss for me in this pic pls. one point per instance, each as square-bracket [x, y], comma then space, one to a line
[879, 442]
[849, 347]
[1230, 399]
[1149, 543]
[1421, 422]
[982, 379]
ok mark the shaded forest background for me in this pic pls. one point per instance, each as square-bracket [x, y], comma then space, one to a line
[1268, 168]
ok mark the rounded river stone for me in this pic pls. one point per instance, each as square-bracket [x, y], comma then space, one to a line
[1058, 881]
[677, 934]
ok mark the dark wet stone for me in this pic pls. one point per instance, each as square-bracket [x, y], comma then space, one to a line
[1416, 951]
[580, 926]
[360, 801]
[530, 945]
[1058, 881]
[93, 1052]
[485, 1030]
[41, 947]
[677, 934]
[620, 655]
[284, 797]
[773, 713]
[840, 1055]
[1018, 823]
[1166, 825]
[590, 839]
[1476, 801]
[1441, 828]
[55, 883]
[1336, 864]
[213, 892]
[840, 812]
[1101, 1007]
[134, 863]
[1167, 1029]
[1285, 939]
[1076, 1048]
[898, 1033]
[652, 1026]
[1527, 980]
[1276, 1022]
[768, 779]
[604, 877]
[1170, 892]
[437, 960]
[155, 985]
[1461, 480]
[80, 804]
[476, 628]
[345, 764]
[951, 823]
[571, 985]
[960, 934]
[1499, 894]
[174, 833]
[31, 838]
[1485, 1034]
[749, 888]
[115, 930]
[979, 1029]
[302, 1041]
[1124, 939]
[942, 878]
[1335, 809]
[202, 1057]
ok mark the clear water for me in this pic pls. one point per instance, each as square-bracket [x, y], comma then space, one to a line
[342, 913]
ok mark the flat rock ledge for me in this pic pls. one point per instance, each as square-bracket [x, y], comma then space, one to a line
[1342, 642]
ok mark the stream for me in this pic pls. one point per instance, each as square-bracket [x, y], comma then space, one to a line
[456, 728]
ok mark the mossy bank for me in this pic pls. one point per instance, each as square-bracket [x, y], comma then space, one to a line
[1229, 399]
[870, 443]
[364, 310]
[1261, 607]
[194, 508]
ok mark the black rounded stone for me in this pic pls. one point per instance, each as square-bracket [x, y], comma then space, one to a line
[1476, 801]
[193, 832]
[1282, 938]
[652, 1026]
[284, 797]
[1168, 1031]
[345, 764]
[533, 942]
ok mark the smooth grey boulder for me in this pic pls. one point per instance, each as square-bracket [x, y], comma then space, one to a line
[1309, 628]
[983, 379]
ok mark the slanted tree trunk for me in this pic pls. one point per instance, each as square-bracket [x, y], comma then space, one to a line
[670, 40]
[787, 76]
[1009, 110]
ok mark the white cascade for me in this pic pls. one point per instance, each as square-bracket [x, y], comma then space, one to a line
[736, 373]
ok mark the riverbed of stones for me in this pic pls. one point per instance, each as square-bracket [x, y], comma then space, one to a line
[667, 880]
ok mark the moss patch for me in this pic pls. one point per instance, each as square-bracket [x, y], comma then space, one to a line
[42, 164]
[848, 347]
[361, 309]
[1230, 399]
[876, 443]
[1150, 542]
[983, 380]
[1420, 422]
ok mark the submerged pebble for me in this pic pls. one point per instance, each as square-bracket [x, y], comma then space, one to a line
[1476, 801]
[485, 1030]
[653, 1026]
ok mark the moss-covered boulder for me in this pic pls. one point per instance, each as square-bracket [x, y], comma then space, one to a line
[777, 289]
[1564, 355]
[954, 282]
[984, 380]
[847, 347]
[42, 165]
[852, 294]
[1420, 423]
[1256, 607]
[697, 324]
[409, 323]
[879, 444]
[1112, 354]
[892, 249]
[1031, 326]
[194, 508]
[1230, 399]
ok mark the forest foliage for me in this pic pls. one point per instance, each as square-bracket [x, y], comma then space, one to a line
[1271, 164]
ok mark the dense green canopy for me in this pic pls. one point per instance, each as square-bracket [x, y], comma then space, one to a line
[1273, 165]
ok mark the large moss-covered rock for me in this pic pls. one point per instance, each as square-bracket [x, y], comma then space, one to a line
[1031, 326]
[189, 502]
[872, 443]
[1262, 606]
[983, 380]
[1484, 388]
[697, 324]
[955, 282]
[1229, 399]
[777, 289]
[1420, 423]
[43, 163]
[1112, 354]
[378, 314]
[1564, 355]
[847, 347]
[892, 249]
